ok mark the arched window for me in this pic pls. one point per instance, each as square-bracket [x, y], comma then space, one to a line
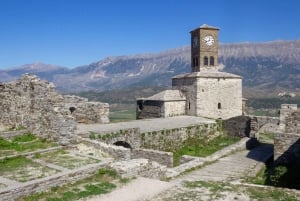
[72, 109]
[205, 61]
[195, 61]
[219, 106]
[211, 61]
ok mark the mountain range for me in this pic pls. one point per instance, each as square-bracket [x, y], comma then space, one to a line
[271, 65]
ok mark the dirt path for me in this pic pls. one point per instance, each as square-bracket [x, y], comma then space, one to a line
[139, 189]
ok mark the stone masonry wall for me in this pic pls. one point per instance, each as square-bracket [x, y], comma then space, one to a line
[131, 136]
[287, 142]
[215, 97]
[118, 152]
[166, 140]
[174, 108]
[164, 158]
[87, 112]
[34, 104]
[286, 148]
[188, 87]
[171, 139]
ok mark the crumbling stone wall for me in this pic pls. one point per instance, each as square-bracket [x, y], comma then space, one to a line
[34, 104]
[287, 142]
[87, 112]
[238, 126]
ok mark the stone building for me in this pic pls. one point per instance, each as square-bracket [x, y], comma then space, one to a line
[164, 104]
[206, 91]
[34, 104]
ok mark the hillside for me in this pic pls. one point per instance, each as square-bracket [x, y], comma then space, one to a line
[271, 66]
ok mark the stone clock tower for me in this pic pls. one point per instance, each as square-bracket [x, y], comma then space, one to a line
[204, 48]
[205, 92]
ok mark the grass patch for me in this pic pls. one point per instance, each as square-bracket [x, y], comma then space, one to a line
[280, 176]
[260, 194]
[26, 142]
[24, 138]
[64, 159]
[266, 138]
[103, 182]
[122, 115]
[22, 169]
[10, 164]
[203, 147]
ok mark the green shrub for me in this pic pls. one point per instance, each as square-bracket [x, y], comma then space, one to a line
[92, 136]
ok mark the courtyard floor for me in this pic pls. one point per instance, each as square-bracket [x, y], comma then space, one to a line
[145, 125]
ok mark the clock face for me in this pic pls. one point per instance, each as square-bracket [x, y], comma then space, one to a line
[195, 41]
[209, 40]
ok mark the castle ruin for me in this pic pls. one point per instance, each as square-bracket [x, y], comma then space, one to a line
[34, 104]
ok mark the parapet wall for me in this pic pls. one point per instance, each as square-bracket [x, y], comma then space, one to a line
[166, 139]
[171, 139]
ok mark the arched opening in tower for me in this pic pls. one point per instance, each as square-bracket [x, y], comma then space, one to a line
[123, 144]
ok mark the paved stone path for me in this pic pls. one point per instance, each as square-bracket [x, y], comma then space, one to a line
[233, 167]
[145, 125]
[227, 169]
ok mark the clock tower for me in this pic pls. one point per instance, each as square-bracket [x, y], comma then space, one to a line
[204, 48]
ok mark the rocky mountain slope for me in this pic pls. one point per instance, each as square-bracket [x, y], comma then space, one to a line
[272, 65]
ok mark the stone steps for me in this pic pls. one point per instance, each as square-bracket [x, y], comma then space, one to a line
[232, 167]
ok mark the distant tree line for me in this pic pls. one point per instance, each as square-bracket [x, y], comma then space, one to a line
[271, 103]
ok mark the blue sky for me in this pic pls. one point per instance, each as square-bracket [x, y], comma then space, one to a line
[71, 33]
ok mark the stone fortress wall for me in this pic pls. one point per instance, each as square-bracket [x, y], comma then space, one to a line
[86, 112]
[34, 104]
[287, 141]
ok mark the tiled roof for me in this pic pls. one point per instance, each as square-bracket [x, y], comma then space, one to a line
[209, 74]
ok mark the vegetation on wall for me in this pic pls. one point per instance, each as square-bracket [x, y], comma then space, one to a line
[279, 176]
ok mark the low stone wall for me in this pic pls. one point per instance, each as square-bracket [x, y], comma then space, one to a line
[8, 135]
[131, 136]
[118, 152]
[238, 126]
[22, 189]
[286, 148]
[186, 159]
[171, 139]
[140, 167]
[166, 139]
[33, 152]
[164, 158]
